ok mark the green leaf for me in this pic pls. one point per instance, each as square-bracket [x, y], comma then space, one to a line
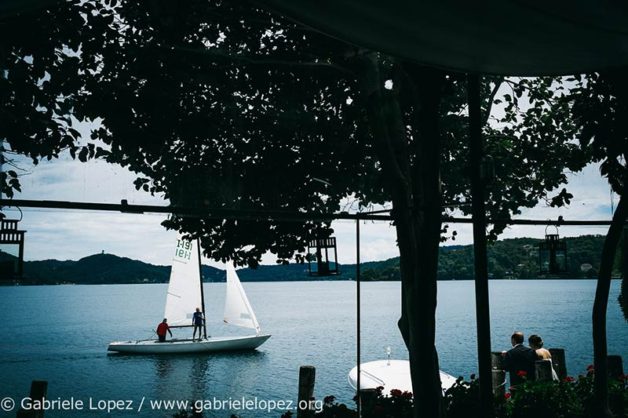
[83, 155]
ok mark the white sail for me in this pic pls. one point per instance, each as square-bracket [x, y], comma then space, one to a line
[184, 290]
[184, 296]
[238, 310]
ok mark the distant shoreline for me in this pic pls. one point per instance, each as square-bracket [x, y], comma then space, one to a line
[6, 284]
[510, 259]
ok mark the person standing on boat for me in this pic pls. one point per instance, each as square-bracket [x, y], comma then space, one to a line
[162, 328]
[198, 320]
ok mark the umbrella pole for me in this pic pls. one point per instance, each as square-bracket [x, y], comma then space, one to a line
[478, 182]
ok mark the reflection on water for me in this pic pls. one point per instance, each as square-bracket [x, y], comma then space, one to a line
[196, 376]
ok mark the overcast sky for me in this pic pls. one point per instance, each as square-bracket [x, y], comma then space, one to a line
[71, 235]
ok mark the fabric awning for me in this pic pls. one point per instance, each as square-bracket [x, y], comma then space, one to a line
[506, 37]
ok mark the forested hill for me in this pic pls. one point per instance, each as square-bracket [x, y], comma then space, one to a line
[516, 258]
[508, 259]
[111, 269]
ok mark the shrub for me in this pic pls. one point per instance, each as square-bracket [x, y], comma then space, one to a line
[571, 398]
[545, 400]
[461, 400]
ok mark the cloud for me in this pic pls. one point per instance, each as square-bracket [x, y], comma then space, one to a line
[377, 241]
[94, 181]
[73, 234]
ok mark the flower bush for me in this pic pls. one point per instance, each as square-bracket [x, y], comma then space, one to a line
[545, 400]
[617, 394]
[461, 400]
[570, 398]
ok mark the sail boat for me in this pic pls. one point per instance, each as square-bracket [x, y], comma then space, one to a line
[185, 294]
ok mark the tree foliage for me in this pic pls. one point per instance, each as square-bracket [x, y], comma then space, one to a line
[223, 105]
[228, 106]
[600, 106]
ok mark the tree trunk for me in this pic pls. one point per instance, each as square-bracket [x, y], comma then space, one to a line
[419, 287]
[413, 181]
[600, 305]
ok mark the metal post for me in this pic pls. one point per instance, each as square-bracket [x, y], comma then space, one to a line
[615, 367]
[558, 360]
[336, 258]
[357, 285]
[479, 246]
[1, 165]
[307, 377]
[39, 389]
[498, 374]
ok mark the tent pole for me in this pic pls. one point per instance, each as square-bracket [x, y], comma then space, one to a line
[478, 182]
[357, 285]
[1, 163]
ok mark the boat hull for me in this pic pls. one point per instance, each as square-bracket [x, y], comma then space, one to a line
[390, 374]
[175, 346]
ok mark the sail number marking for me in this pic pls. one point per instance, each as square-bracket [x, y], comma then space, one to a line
[183, 250]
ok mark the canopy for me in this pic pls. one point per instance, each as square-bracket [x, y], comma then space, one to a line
[507, 37]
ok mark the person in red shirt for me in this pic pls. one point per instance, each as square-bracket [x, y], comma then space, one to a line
[162, 329]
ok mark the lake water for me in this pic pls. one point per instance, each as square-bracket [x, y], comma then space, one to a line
[60, 334]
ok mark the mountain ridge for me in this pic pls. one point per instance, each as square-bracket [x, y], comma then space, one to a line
[515, 258]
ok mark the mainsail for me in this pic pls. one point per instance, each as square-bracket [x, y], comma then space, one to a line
[238, 310]
[184, 290]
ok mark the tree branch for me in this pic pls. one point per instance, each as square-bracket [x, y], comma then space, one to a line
[491, 97]
[218, 55]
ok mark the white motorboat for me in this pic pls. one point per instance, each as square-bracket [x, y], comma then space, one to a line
[185, 294]
[390, 374]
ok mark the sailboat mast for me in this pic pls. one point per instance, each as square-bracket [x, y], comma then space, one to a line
[200, 278]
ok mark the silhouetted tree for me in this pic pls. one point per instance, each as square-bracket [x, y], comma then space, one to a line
[600, 104]
[223, 105]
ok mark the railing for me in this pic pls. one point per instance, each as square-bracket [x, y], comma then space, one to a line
[8, 224]
[11, 237]
[323, 242]
[9, 234]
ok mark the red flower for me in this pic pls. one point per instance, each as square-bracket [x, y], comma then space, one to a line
[507, 395]
[590, 368]
[406, 395]
[395, 393]
[522, 373]
[568, 379]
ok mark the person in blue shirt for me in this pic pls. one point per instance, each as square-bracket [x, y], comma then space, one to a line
[198, 320]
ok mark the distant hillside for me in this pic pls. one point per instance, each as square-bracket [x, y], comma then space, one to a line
[516, 258]
[508, 259]
[111, 269]
[95, 269]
